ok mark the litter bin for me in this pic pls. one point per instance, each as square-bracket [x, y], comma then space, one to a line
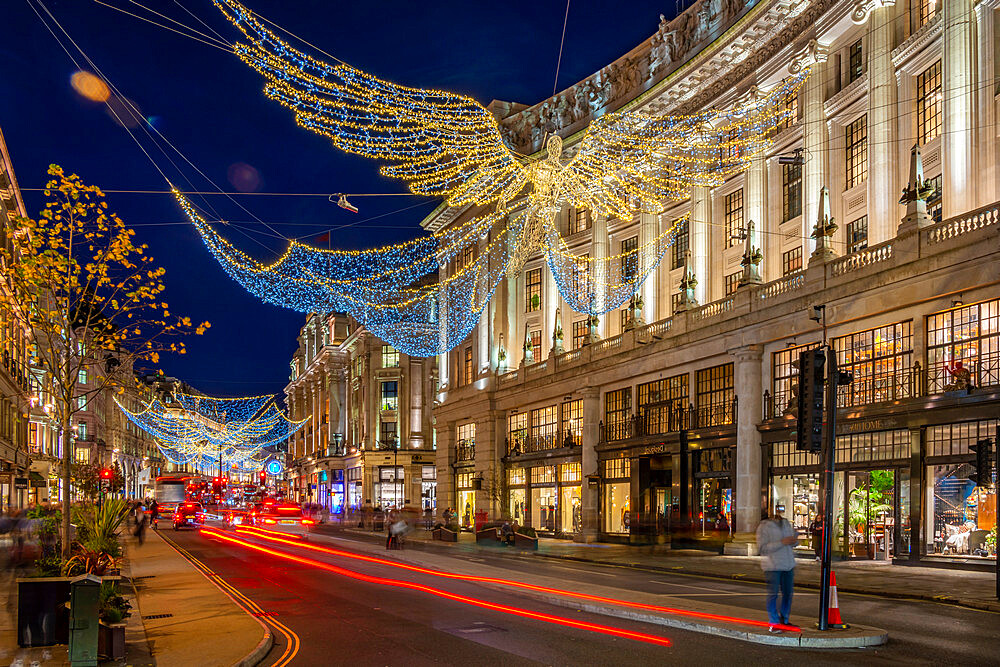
[85, 594]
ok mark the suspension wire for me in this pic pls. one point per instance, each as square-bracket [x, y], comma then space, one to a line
[562, 41]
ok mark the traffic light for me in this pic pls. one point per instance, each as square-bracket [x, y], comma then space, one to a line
[263, 477]
[981, 449]
[809, 430]
[107, 474]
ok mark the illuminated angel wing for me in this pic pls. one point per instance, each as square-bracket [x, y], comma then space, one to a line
[441, 143]
[633, 161]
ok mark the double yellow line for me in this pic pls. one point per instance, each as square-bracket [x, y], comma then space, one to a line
[248, 605]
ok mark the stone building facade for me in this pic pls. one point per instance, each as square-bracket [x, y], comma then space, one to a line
[369, 442]
[675, 423]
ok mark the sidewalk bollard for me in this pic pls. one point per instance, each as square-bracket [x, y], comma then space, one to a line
[83, 620]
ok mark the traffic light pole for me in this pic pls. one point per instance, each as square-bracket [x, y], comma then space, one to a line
[829, 457]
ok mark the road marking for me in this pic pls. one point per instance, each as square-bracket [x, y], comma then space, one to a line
[248, 605]
[582, 571]
[672, 583]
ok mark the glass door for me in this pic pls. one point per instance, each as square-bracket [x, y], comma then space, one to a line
[873, 511]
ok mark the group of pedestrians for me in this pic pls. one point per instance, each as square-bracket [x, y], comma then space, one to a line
[23, 533]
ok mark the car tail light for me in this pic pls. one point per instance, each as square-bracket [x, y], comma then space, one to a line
[270, 521]
[308, 522]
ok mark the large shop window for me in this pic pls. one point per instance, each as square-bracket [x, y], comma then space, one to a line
[391, 488]
[960, 516]
[570, 502]
[572, 422]
[354, 488]
[544, 498]
[544, 429]
[428, 487]
[617, 407]
[715, 396]
[466, 436]
[785, 380]
[881, 361]
[518, 495]
[873, 446]
[662, 404]
[616, 474]
[517, 433]
[466, 496]
[800, 495]
[963, 347]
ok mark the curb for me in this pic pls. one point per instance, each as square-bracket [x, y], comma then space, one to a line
[918, 597]
[263, 647]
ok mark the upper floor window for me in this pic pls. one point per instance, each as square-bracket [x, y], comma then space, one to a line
[733, 282]
[467, 366]
[934, 208]
[81, 431]
[532, 290]
[579, 220]
[466, 440]
[680, 246]
[571, 426]
[675, 302]
[625, 316]
[581, 273]
[964, 342]
[661, 404]
[733, 208]
[857, 234]
[630, 259]
[715, 394]
[82, 376]
[790, 107]
[785, 376]
[390, 357]
[580, 332]
[617, 407]
[536, 343]
[791, 261]
[880, 360]
[791, 191]
[466, 256]
[517, 431]
[855, 62]
[390, 395]
[545, 428]
[926, 10]
[929, 103]
[856, 154]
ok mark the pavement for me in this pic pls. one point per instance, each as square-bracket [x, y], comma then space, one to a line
[176, 618]
[965, 588]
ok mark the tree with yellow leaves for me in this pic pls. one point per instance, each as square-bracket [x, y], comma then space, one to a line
[90, 298]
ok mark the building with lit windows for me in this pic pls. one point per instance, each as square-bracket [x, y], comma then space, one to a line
[14, 397]
[673, 416]
[369, 440]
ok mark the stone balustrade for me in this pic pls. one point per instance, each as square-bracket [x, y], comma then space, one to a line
[963, 224]
[861, 259]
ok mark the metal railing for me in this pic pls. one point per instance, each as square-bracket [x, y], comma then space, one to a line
[652, 421]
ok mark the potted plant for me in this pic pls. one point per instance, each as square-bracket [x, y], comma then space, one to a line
[42, 616]
[113, 610]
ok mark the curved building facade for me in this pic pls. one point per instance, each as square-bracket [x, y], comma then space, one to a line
[672, 420]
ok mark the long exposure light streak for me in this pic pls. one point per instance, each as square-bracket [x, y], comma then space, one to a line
[278, 537]
[516, 611]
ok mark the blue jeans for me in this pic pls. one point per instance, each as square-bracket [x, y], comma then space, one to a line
[783, 581]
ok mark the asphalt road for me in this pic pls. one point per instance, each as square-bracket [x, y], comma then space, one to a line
[330, 618]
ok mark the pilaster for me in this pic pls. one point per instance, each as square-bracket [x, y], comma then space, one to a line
[958, 81]
[599, 250]
[881, 117]
[701, 218]
[747, 476]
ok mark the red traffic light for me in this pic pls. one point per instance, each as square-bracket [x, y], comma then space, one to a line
[107, 473]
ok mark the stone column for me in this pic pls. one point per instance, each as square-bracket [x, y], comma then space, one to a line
[987, 187]
[599, 250]
[415, 390]
[958, 81]
[698, 235]
[882, 190]
[488, 467]
[649, 229]
[590, 436]
[815, 138]
[747, 481]
[756, 210]
[551, 302]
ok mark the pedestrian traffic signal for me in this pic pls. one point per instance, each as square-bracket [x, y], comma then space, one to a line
[981, 476]
[809, 429]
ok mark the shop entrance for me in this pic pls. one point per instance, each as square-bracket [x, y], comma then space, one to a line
[871, 499]
[652, 495]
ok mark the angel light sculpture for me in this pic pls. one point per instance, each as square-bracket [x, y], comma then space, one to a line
[426, 295]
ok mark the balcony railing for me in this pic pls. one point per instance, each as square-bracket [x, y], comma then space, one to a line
[652, 421]
[532, 444]
[466, 452]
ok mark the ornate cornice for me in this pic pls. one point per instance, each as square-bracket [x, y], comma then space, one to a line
[847, 95]
[917, 41]
[813, 52]
[863, 9]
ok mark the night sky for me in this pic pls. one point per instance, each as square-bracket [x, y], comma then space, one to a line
[209, 105]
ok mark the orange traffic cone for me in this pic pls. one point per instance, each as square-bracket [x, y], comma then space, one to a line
[833, 614]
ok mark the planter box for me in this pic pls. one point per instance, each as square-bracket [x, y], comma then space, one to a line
[444, 535]
[42, 611]
[111, 641]
[525, 542]
[488, 536]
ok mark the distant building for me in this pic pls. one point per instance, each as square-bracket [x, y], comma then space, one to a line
[369, 441]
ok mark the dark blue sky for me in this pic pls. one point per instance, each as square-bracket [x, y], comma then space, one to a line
[210, 106]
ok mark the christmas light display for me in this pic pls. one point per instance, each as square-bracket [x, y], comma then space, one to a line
[425, 296]
[202, 430]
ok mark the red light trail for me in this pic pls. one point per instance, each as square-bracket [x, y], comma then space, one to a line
[549, 618]
[280, 537]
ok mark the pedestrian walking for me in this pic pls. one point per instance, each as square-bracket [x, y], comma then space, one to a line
[775, 541]
[816, 530]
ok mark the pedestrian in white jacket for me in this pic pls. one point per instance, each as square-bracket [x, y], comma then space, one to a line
[775, 541]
